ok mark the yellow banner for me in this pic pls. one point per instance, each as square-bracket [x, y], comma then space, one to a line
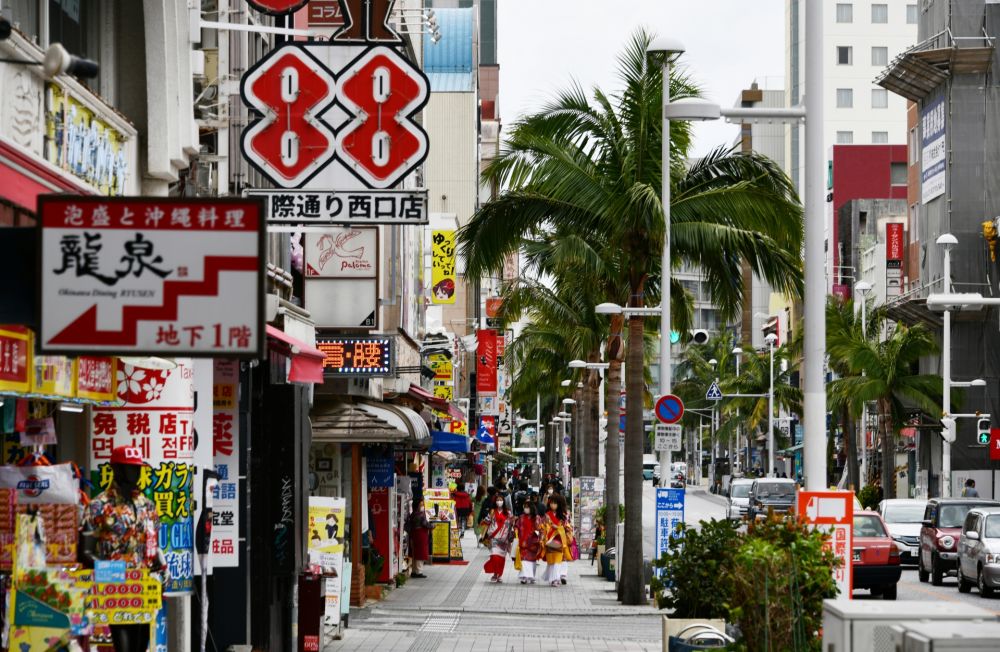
[447, 392]
[15, 359]
[54, 375]
[442, 267]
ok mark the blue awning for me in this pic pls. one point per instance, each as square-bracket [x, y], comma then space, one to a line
[449, 442]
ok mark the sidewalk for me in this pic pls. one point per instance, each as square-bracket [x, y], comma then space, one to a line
[457, 608]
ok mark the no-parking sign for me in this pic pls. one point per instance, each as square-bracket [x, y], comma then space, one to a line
[669, 409]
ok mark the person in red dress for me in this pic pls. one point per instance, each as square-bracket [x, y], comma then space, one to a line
[498, 534]
[419, 529]
[528, 542]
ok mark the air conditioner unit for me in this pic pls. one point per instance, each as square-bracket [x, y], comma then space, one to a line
[857, 626]
[945, 636]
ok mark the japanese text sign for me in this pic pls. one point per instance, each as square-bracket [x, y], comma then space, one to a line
[486, 361]
[226, 457]
[669, 514]
[143, 275]
[833, 512]
[357, 356]
[894, 242]
[442, 267]
[15, 359]
[358, 207]
[995, 444]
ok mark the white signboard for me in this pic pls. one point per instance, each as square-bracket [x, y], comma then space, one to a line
[668, 437]
[225, 548]
[355, 207]
[933, 153]
[833, 511]
[151, 275]
[341, 253]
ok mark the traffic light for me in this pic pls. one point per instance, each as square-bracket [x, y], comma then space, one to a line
[699, 336]
[983, 431]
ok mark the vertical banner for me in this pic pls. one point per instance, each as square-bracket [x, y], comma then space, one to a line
[933, 154]
[15, 359]
[442, 267]
[669, 514]
[226, 457]
[893, 259]
[833, 511]
[158, 419]
[486, 361]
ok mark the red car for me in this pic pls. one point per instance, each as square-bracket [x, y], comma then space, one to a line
[875, 556]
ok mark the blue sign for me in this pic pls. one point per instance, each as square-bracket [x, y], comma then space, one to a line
[669, 514]
[109, 572]
[669, 409]
[381, 471]
[713, 393]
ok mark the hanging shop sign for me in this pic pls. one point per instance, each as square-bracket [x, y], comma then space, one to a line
[226, 458]
[357, 356]
[15, 359]
[158, 419]
[95, 378]
[325, 13]
[54, 375]
[893, 259]
[486, 362]
[356, 207]
[934, 154]
[341, 270]
[277, 7]
[443, 267]
[157, 276]
[79, 142]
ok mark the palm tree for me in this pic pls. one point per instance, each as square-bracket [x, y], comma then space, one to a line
[594, 167]
[891, 379]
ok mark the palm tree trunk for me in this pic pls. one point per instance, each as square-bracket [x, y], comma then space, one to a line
[851, 437]
[611, 462]
[888, 452]
[632, 589]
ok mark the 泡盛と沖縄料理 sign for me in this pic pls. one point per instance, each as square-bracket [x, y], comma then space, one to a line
[171, 276]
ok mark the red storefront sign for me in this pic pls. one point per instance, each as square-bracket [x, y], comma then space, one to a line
[995, 444]
[894, 241]
[486, 361]
[95, 378]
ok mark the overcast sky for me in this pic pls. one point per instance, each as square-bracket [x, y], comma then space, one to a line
[544, 44]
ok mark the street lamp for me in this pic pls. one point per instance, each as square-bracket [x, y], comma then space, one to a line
[737, 352]
[863, 288]
[947, 241]
[770, 339]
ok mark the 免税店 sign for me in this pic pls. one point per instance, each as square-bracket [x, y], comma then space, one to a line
[151, 275]
[357, 356]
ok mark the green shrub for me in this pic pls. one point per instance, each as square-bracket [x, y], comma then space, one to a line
[693, 568]
[870, 496]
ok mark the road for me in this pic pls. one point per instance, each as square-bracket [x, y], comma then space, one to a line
[698, 506]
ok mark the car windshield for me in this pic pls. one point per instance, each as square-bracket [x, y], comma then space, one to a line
[904, 513]
[740, 491]
[775, 490]
[953, 515]
[866, 525]
[992, 530]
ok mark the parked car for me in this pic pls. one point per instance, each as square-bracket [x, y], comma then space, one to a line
[939, 532]
[777, 494]
[678, 481]
[739, 498]
[903, 517]
[874, 557]
[979, 551]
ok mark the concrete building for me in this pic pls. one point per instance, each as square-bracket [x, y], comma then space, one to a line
[955, 122]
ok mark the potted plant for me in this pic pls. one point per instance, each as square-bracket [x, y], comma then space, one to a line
[373, 568]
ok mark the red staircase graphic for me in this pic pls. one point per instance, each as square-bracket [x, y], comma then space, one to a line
[83, 330]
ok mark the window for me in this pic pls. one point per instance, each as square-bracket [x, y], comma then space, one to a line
[880, 98]
[880, 56]
[845, 137]
[845, 55]
[897, 174]
[845, 98]
[24, 16]
[845, 12]
[880, 13]
[913, 145]
[880, 137]
[911, 14]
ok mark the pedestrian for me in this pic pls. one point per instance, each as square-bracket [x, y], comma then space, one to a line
[497, 536]
[557, 535]
[477, 512]
[970, 490]
[419, 529]
[519, 497]
[463, 507]
[484, 509]
[528, 543]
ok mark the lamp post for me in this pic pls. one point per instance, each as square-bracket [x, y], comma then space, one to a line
[593, 456]
[863, 288]
[947, 241]
[711, 436]
[737, 352]
[770, 339]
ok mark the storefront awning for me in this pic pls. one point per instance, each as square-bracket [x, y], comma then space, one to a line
[348, 423]
[448, 441]
[403, 419]
[436, 402]
[307, 360]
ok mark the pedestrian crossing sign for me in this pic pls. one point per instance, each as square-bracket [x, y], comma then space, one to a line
[714, 393]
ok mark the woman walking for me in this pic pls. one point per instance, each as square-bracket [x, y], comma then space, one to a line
[528, 542]
[557, 535]
[419, 529]
[498, 533]
[478, 513]
[463, 507]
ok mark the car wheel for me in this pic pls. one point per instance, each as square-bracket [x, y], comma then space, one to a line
[889, 592]
[964, 585]
[937, 575]
[922, 575]
[984, 590]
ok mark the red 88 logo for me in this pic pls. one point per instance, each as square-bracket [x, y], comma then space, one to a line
[380, 91]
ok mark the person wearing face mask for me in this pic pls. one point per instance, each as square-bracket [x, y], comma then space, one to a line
[528, 541]
[557, 536]
[120, 524]
[498, 534]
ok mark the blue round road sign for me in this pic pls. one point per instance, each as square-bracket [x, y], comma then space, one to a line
[669, 409]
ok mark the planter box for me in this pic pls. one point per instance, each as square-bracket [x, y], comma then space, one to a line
[374, 592]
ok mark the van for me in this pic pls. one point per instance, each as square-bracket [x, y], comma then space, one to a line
[649, 464]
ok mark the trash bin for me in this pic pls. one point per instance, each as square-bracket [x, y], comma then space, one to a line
[608, 564]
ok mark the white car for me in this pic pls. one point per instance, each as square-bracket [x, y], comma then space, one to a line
[739, 498]
[903, 517]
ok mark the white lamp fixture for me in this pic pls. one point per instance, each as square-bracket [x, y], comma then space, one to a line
[692, 109]
[608, 309]
[66, 406]
[569, 401]
[566, 383]
[864, 287]
[577, 364]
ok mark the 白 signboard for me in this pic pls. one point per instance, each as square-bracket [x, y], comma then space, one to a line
[167, 276]
[668, 437]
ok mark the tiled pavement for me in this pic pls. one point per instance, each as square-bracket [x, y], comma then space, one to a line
[457, 608]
